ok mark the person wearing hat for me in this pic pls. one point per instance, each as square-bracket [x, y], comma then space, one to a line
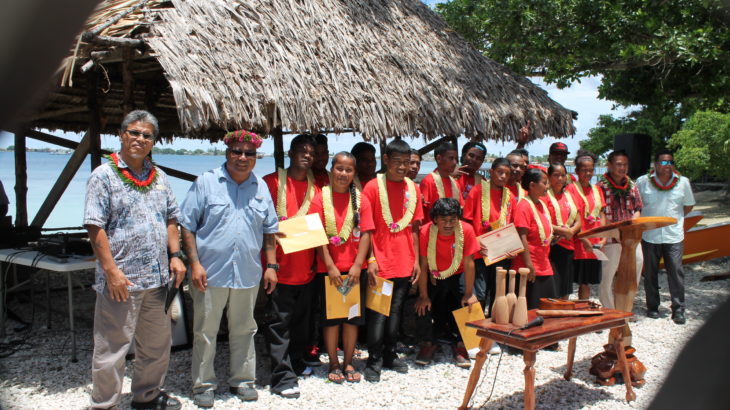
[557, 154]
[227, 218]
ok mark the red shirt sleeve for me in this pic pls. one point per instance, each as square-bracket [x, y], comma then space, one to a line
[522, 217]
[418, 213]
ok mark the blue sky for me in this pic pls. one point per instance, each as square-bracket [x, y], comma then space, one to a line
[581, 97]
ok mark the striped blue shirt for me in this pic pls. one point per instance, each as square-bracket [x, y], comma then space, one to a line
[229, 221]
[135, 222]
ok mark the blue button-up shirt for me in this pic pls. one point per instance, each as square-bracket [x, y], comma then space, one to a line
[229, 221]
[665, 203]
[134, 221]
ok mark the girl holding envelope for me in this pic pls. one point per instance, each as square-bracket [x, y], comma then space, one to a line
[347, 219]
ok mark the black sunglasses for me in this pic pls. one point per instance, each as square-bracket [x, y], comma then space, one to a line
[238, 153]
[137, 134]
[670, 162]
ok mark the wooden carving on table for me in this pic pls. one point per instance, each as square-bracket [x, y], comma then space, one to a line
[628, 233]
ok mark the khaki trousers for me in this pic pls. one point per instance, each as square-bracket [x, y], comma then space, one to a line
[140, 318]
[608, 272]
[208, 308]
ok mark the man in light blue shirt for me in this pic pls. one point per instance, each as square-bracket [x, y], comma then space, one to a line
[665, 193]
[227, 218]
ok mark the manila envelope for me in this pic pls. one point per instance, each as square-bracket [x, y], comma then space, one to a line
[339, 306]
[302, 232]
[379, 297]
[469, 334]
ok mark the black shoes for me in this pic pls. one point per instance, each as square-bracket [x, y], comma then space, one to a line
[678, 317]
[163, 401]
[396, 364]
[652, 314]
[245, 393]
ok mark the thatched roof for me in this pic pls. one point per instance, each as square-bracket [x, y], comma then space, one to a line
[382, 68]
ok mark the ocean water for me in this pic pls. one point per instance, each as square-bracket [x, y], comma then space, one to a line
[44, 168]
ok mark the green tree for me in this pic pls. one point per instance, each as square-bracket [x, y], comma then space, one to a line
[11, 148]
[700, 145]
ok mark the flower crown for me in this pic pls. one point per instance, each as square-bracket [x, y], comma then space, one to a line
[243, 136]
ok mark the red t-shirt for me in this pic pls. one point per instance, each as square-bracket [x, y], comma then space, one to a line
[431, 195]
[515, 191]
[580, 252]
[562, 199]
[445, 246]
[466, 183]
[294, 268]
[394, 252]
[473, 208]
[321, 178]
[539, 253]
[344, 255]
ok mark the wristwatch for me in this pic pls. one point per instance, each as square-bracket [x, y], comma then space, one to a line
[177, 254]
[274, 266]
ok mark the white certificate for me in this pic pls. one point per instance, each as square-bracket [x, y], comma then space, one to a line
[501, 244]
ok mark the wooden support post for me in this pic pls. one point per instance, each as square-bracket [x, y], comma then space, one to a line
[127, 81]
[278, 147]
[73, 165]
[21, 181]
[383, 143]
[92, 101]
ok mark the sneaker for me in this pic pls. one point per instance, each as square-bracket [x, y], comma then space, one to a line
[311, 357]
[461, 357]
[473, 352]
[162, 401]
[425, 353]
[396, 364]
[652, 314]
[290, 393]
[245, 393]
[204, 399]
[495, 350]
[371, 374]
[678, 317]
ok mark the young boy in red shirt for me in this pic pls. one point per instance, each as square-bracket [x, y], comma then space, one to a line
[472, 158]
[439, 183]
[446, 248]
[395, 203]
[292, 191]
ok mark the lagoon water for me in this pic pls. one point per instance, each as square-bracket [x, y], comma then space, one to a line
[44, 168]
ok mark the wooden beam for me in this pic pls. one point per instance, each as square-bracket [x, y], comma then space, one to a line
[92, 102]
[21, 181]
[278, 147]
[112, 41]
[383, 143]
[127, 81]
[430, 147]
[72, 166]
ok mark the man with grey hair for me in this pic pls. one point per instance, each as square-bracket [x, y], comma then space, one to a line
[131, 216]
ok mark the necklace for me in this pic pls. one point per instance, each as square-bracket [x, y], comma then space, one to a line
[385, 204]
[658, 185]
[128, 178]
[487, 206]
[440, 186]
[330, 223]
[617, 189]
[559, 213]
[455, 259]
[281, 195]
[544, 235]
[590, 215]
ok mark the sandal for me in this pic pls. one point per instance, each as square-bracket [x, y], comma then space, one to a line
[352, 375]
[335, 375]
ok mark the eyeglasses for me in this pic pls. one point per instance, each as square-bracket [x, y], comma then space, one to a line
[137, 134]
[238, 153]
[670, 162]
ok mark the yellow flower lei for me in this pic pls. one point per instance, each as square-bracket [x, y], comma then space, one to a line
[558, 213]
[520, 193]
[440, 186]
[281, 195]
[487, 206]
[458, 251]
[385, 204]
[544, 236]
[330, 223]
[590, 215]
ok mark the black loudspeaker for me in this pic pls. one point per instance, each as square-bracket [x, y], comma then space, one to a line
[638, 146]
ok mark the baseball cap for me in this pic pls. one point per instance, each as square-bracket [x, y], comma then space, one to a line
[559, 147]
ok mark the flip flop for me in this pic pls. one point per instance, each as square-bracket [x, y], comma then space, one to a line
[336, 376]
[352, 376]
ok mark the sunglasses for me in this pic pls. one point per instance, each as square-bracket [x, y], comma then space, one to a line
[137, 134]
[238, 153]
[670, 162]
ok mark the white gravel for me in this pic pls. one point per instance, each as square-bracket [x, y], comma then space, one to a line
[40, 375]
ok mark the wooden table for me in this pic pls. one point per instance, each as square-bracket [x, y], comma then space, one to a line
[533, 339]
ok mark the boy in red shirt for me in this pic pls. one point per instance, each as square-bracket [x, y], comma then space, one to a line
[446, 248]
[518, 165]
[439, 183]
[472, 158]
[292, 191]
[365, 162]
[397, 212]
[321, 157]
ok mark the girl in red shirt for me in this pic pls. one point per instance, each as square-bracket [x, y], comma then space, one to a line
[347, 219]
[532, 221]
[587, 266]
[565, 209]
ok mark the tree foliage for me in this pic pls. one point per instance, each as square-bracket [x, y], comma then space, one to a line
[700, 145]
